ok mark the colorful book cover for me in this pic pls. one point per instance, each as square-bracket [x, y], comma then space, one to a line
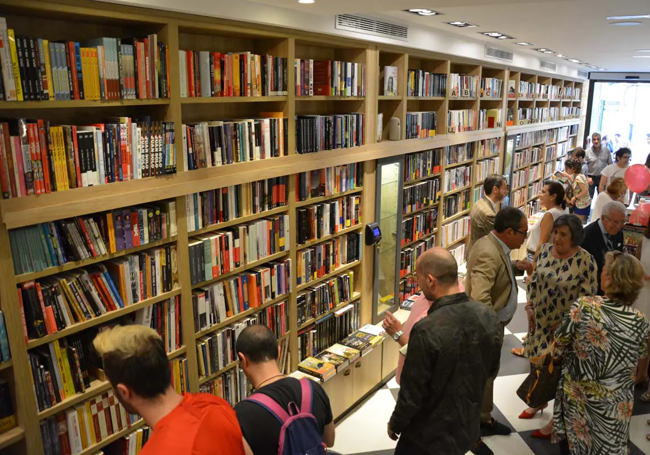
[317, 368]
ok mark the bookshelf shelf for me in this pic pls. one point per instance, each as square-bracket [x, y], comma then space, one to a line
[479, 183]
[342, 232]
[31, 344]
[243, 268]
[80, 104]
[463, 98]
[458, 190]
[11, 437]
[488, 157]
[330, 98]
[390, 98]
[457, 241]
[233, 99]
[230, 366]
[240, 316]
[343, 268]
[427, 98]
[6, 365]
[421, 179]
[491, 99]
[90, 261]
[96, 387]
[240, 220]
[421, 239]
[177, 353]
[114, 437]
[319, 199]
[462, 163]
[356, 296]
[416, 212]
[456, 216]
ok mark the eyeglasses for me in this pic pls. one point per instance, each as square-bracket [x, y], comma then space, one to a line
[617, 223]
[524, 233]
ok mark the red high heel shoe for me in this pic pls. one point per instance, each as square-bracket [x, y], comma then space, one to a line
[526, 415]
[537, 434]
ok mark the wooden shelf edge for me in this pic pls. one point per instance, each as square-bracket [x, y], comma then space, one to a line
[238, 221]
[421, 239]
[80, 104]
[342, 232]
[319, 199]
[233, 99]
[344, 268]
[458, 190]
[355, 296]
[456, 216]
[330, 98]
[421, 179]
[7, 364]
[242, 269]
[112, 438]
[212, 376]
[457, 241]
[11, 437]
[418, 211]
[462, 163]
[31, 344]
[86, 262]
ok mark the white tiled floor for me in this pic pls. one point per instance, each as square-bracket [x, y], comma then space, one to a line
[510, 405]
[638, 429]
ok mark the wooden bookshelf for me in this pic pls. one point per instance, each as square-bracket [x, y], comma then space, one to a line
[84, 19]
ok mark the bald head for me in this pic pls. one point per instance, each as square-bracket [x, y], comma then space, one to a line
[440, 264]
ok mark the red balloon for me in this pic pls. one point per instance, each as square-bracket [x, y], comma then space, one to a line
[641, 215]
[637, 178]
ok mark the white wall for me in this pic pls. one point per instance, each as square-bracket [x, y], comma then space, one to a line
[419, 37]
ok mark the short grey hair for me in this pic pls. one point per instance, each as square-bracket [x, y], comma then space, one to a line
[439, 263]
[575, 227]
[613, 206]
[595, 135]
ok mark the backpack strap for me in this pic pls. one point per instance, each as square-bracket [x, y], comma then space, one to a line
[307, 392]
[270, 405]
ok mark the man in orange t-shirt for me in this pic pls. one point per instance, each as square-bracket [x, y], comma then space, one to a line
[137, 367]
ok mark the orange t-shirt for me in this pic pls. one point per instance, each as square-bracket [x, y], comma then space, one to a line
[201, 424]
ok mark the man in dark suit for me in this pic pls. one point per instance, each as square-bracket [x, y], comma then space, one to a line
[605, 234]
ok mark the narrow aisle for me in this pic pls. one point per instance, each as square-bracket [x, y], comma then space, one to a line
[363, 432]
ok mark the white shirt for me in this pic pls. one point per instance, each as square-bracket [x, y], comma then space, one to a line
[506, 313]
[602, 199]
[613, 171]
[536, 231]
[597, 161]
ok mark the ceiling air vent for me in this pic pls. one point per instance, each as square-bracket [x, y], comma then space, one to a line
[498, 53]
[583, 74]
[367, 26]
[547, 65]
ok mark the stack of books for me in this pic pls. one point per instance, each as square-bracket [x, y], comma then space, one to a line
[422, 164]
[318, 300]
[315, 133]
[419, 226]
[328, 181]
[321, 220]
[421, 125]
[329, 78]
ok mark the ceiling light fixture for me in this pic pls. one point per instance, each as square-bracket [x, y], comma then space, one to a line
[492, 34]
[560, 55]
[625, 18]
[423, 12]
[641, 56]
[574, 60]
[625, 23]
[461, 24]
[306, 1]
[642, 50]
[543, 50]
[523, 43]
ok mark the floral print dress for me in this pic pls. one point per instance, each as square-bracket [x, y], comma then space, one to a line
[553, 287]
[600, 342]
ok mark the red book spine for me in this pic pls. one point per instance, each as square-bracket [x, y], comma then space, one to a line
[147, 64]
[34, 154]
[72, 63]
[5, 178]
[87, 237]
[44, 158]
[48, 322]
[77, 163]
[22, 314]
[190, 73]
[136, 230]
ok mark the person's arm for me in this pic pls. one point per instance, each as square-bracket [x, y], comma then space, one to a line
[247, 448]
[418, 372]
[544, 232]
[392, 325]
[564, 333]
[603, 183]
[329, 434]
[590, 285]
[482, 278]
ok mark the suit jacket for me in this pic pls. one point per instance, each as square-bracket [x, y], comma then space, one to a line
[481, 220]
[594, 243]
[488, 273]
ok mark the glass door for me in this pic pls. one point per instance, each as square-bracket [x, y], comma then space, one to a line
[389, 211]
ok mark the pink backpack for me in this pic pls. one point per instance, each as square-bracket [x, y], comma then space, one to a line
[300, 434]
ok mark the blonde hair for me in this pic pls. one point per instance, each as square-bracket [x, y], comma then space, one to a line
[125, 340]
[617, 187]
[626, 277]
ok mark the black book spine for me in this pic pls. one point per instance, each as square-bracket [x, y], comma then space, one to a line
[36, 68]
[20, 53]
[120, 65]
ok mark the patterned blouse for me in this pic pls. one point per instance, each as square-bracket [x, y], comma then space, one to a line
[600, 342]
[554, 285]
[585, 200]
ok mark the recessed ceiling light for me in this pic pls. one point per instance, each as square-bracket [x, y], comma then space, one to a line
[543, 50]
[306, 1]
[523, 43]
[461, 24]
[422, 11]
[624, 18]
[574, 60]
[492, 34]
[642, 50]
[625, 23]
[641, 56]
[560, 55]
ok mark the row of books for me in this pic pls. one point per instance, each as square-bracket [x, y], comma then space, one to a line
[519, 197]
[420, 195]
[458, 252]
[532, 208]
[215, 303]
[323, 297]
[217, 74]
[464, 86]
[562, 148]
[462, 120]
[229, 203]
[421, 125]
[520, 178]
[458, 153]
[38, 158]
[409, 256]
[550, 153]
[218, 350]
[563, 133]
[573, 130]
[165, 318]
[325, 258]
[408, 288]
[456, 203]
[487, 167]
[488, 147]
[315, 133]
[320, 220]
[569, 112]
[422, 164]
[418, 226]
[458, 177]
[35, 69]
[551, 136]
[7, 414]
[85, 425]
[327, 331]
[535, 172]
[221, 142]
[549, 169]
[491, 87]
[5, 352]
[53, 304]
[489, 118]
[425, 84]
[325, 360]
[328, 181]
[535, 155]
[453, 231]
[276, 318]
[521, 158]
[55, 243]
[232, 386]
[131, 444]
[535, 188]
[329, 78]
[479, 192]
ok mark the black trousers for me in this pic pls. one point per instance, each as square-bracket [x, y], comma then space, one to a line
[592, 188]
[564, 447]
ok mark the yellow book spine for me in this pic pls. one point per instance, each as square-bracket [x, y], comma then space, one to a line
[235, 75]
[68, 389]
[83, 431]
[91, 424]
[95, 64]
[48, 72]
[14, 64]
[138, 444]
[55, 158]
[68, 373]
[177, 377]
[62, 158]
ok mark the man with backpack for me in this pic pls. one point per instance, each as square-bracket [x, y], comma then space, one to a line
[283, 415]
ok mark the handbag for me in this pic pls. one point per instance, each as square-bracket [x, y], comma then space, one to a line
[541, 384]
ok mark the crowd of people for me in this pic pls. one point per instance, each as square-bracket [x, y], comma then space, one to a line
[587, 308]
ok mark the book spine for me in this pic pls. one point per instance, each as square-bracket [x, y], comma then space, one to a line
[15, 65]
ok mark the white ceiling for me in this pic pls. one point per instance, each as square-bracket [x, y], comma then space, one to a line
[576, 28]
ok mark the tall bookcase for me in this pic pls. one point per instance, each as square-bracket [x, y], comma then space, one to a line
[81, 20]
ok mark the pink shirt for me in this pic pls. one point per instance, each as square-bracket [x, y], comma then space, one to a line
[418, 311]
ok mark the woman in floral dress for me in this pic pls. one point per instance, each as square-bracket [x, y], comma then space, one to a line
[600, 341]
